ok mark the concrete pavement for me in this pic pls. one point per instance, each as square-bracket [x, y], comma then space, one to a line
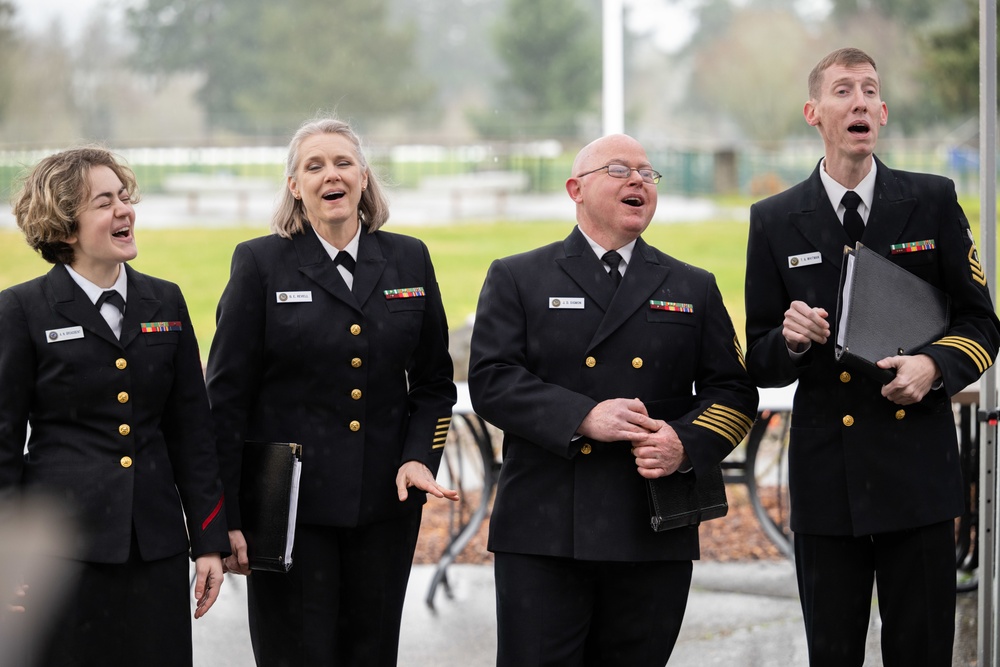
[739, 614]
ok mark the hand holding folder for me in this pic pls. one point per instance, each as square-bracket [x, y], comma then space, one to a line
[883, 310]
[269, 491]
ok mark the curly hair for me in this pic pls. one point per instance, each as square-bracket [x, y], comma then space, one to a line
[53, 193]
[289, 216]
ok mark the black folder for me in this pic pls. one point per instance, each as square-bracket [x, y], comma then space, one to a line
[883, 310]
[686, 499]
[269, 492]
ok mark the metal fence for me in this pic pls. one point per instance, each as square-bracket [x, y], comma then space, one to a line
[747, 170]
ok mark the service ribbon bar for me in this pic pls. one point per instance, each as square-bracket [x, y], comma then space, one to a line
[672, 306]
[913, 246]
[156, 327]
[404, 293]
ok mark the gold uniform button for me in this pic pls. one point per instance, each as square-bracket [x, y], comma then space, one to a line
[120, 364]
[126, 461]
[591, 362]
[637, 362]
[356, 362]
[586, 449]
[123, 397]
[356, 329]
[355, 394]
[355, 425]
[900, 414]
[124, 429]
[845, 377]
[848, 420]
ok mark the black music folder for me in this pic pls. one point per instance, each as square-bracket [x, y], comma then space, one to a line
[269, 493]
[686, 499]
[883, 310]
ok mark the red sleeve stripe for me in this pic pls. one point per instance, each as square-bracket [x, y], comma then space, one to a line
[215, 512]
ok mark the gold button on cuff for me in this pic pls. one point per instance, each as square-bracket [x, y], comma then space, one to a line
[355, 426]
[120, 364]
[355, 362]
[900, 414]
[591, 362]
[124, 429]
[586, 449]
[848, 420]
[123, 397]
[845, 377]
[126, 462]
[637, 362]
[355, 394]
[355, 329]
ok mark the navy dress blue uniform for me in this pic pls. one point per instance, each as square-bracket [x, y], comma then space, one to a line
[121, 437]
[861, 465]
[552, 339]
[363, 381]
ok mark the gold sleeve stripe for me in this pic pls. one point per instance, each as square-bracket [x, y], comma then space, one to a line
[970, 347]
[739, 351]
[444, 420]
[441, 446]
[730, 424]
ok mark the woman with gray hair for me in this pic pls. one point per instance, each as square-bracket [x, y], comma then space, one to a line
[331, 333]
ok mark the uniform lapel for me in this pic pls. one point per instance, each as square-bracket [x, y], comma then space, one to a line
[72, 303]
[643, 275]
[316, 264]
[890, 212]
[142, 305]
[586, 270]
[817, 221]
[371, 263]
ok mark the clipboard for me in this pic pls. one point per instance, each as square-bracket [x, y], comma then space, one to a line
[883, 310]
[269, 492]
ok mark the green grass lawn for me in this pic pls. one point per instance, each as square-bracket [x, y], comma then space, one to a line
[198, 259]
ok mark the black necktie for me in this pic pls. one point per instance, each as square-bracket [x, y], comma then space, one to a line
[613, 259]
[344, 258]
[114, 298]
[853, 224]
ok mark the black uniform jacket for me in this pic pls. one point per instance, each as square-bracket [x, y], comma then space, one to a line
[860, 464]
[120, 430]
[551, 340]
[362, 380]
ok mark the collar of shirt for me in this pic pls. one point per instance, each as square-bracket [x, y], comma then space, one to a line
[625, 251]
[94, 292]
[351, 247]
[835, 191]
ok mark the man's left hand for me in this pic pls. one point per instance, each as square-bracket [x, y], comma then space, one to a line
[416, 474]
[659, 453]
[914, 377]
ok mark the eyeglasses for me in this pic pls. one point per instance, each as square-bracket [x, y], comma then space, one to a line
[621, 171]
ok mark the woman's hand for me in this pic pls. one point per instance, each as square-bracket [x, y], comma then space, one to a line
[208, 569]
[417, 475]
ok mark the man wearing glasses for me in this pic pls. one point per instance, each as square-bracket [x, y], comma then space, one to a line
[584, 352]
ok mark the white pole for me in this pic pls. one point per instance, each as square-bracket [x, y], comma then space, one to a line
[613, 86]
[987, 537]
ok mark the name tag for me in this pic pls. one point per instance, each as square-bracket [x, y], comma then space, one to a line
[566, 302]
[294, 297]
[59, 335]
[796, 261]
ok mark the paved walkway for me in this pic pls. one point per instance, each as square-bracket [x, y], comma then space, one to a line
[739, 615]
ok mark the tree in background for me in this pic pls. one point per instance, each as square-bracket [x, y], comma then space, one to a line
[952, 70]
[550, 51]
[8, 43]
[266, 66]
